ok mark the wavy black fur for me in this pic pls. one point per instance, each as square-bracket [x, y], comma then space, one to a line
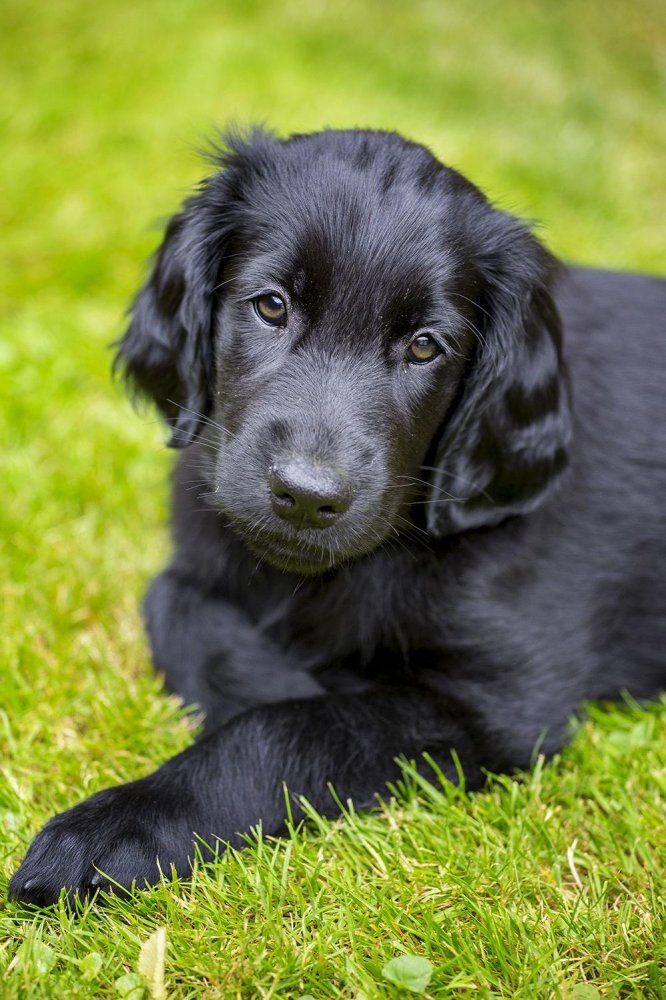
[502, 555]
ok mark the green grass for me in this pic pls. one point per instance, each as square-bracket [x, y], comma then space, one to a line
[539, 887]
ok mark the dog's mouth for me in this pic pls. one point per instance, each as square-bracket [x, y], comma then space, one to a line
[297, 555]
[293, 558]
[307, 556]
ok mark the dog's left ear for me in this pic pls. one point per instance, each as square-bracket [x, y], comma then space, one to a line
[505, 445]
[166, 353]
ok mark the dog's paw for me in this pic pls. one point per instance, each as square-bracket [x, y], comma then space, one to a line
[118, 837]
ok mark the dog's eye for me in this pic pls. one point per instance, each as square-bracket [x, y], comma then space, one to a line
[271, 308]
[422, 349]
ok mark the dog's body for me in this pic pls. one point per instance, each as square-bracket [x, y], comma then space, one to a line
[394, 531]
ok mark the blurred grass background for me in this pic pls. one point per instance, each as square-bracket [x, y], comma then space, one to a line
[557, 110]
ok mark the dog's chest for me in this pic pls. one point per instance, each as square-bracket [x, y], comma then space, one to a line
[346, 629]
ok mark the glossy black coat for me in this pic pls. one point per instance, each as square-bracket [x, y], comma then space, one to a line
[500, 555]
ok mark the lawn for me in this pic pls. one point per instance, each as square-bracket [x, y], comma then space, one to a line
[547, 885]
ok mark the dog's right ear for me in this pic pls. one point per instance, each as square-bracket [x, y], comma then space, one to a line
[166, 353]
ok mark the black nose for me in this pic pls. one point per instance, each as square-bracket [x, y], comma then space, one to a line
[308, 495]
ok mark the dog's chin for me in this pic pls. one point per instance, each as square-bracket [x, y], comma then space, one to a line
[294, 559]
[306, 557]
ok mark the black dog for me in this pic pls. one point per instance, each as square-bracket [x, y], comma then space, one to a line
[431, 504]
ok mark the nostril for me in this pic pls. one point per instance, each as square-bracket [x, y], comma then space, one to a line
[284, 498]
[278, 487]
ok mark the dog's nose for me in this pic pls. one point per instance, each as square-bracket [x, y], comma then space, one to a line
[308, 495]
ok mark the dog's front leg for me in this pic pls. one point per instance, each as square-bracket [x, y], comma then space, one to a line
[233, 779]
[213, 656]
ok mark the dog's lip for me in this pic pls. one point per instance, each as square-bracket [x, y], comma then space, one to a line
[300, 553]
[293, 556]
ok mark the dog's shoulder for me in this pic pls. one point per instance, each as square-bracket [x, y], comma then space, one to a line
[614, 327]
[618, 305]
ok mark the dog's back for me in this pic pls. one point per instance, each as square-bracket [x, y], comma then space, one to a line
[614, 518]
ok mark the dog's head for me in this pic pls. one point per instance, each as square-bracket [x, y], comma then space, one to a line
[360, 341]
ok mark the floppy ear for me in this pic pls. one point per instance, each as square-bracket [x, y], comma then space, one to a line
[166, 353]
[505, 446]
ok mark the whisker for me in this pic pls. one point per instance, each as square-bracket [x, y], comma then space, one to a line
[430, 486]
[418, 503]
[455, 475]
[201, 416]
[477, 305]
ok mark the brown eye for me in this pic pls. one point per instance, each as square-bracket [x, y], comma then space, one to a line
[271, 308]
[422, 349]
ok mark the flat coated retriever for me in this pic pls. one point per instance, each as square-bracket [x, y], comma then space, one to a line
[430, 510]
